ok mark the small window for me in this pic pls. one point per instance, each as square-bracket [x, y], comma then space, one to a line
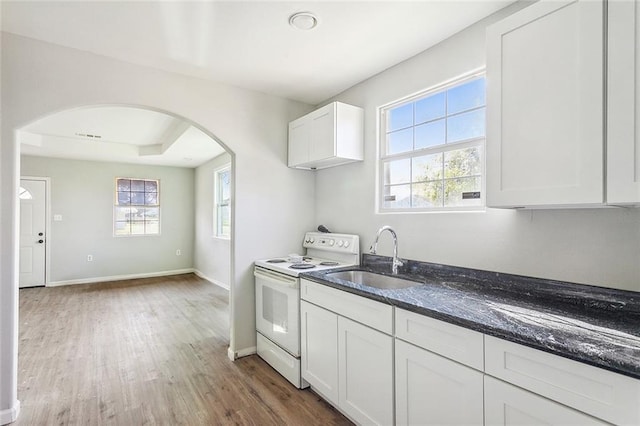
[137, 207]
[24, 194]
[432, 149]
[222, 197]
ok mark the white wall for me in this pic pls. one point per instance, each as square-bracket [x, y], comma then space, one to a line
[83, 193]
[39, 79]
[599, 247]
[212, 257]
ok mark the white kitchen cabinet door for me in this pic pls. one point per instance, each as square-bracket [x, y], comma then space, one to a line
[433, 390]
[545, 106]
[623, 103]
[366, 373]
[299, 142]
[323, 133]
[319, 351]
[508, 405]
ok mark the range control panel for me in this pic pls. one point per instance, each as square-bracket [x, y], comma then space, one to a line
[345, 243]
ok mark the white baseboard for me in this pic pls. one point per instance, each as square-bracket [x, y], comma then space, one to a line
[211, 280]
[241, 353]
[120, 277]
[10, 415]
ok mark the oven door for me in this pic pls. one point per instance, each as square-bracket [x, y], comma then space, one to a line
[278, 309]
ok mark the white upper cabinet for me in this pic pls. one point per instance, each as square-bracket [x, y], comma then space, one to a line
[623, 103]
[545, 106]
[329, 136]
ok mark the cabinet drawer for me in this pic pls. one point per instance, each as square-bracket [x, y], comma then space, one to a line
[366, 311]
[451, 341]
[600, 393]
[507, 405]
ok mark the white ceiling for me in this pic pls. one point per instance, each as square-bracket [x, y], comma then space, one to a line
[243, 43]
[250, 43]
[119, 134]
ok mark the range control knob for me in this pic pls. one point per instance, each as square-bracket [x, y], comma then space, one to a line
[312, 240]
[331, 242]
[346, 244]
[340, 243]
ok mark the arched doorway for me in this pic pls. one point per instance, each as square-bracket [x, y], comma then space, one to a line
[91, 149]
[178, 133]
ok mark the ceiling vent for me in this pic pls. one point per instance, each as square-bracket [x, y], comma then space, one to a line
[88, 136]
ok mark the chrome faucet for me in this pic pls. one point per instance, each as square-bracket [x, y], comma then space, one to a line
[374, 248]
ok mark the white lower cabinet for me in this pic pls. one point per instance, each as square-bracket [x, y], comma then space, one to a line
[347, 362]
[508, 405]
[433, 390]
[319, 349]
[365, 373]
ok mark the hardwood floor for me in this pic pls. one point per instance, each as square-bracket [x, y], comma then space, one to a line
[147, 351]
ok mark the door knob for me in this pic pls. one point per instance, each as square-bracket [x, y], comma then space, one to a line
[41, 241]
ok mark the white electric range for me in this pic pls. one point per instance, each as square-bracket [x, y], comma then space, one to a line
[278, 297]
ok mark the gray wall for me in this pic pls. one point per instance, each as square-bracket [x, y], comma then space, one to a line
[83, 193]
[212, 255]
[599, 247]
[39, 79]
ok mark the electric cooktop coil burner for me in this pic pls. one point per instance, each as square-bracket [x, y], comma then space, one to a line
[329, 263]
[276, 261]
[302, 266]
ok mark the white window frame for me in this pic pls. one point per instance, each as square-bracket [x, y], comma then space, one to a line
[217, 202]
[382, 157]
[116, 204]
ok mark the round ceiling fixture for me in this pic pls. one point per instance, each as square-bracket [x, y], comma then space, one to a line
[303, 21]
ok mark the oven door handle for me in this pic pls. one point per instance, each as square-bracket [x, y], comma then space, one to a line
[281, 280]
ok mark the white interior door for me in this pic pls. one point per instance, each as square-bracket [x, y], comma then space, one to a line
[32, 232]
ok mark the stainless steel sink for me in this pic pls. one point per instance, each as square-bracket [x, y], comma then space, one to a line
[372, 279]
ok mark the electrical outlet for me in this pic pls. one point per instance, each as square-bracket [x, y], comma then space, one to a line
[89, 258]
[178, 252]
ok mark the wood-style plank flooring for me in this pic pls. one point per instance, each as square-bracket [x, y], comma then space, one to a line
[143, 352]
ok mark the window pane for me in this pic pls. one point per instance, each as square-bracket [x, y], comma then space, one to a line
[150, 213]
[224, 220]
[427, 194]
[225, 185]
[124, 198]
[150, 186]
[466, 126]
[468, 96]
[396, 197]
[137, 228]
[462, 162]
[454, 188]
[151, 198]
[400, 141]
[397, 172]
[427, 167]
[430, 134]
[124, 185]
[123, 228]
[430, 108]
[400, 117]
[137, 198]
[152, 227]
[137, 185]
[122, 213]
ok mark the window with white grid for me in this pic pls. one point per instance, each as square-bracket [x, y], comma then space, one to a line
[432, 149]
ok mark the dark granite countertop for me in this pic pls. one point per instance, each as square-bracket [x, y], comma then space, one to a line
[594, 325]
